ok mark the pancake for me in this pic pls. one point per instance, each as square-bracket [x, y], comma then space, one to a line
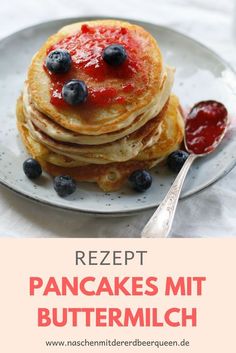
[36, 149]
[129, 120]
[120, 150]
[171, 136]
[144, 71]
[111, 176]
[59, 133]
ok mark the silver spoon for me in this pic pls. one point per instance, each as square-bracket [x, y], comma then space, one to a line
[159, 225]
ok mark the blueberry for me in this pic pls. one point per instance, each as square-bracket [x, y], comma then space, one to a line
[140, 180]
[64, 185]
[32, 168]
[114, 54]
[176, 160]
[58, 61]
[75, 92]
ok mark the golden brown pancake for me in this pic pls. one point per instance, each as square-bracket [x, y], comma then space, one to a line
[121, 150]
[129, 121]
[58, 132]
[111, 176]
[91, 119]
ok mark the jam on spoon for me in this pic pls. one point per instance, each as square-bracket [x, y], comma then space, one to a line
[205, 127]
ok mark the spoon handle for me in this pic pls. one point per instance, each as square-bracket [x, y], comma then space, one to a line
[160, 223]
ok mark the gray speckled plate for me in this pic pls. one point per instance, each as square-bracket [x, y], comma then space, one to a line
[200, 74]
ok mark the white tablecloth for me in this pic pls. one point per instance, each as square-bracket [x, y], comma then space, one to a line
[212, 212]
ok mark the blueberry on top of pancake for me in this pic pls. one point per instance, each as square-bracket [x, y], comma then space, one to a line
[58, 61]
[114, 54]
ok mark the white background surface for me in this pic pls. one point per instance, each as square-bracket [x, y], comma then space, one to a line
[212, 212]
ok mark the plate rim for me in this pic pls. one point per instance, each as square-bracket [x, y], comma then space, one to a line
[133, 211]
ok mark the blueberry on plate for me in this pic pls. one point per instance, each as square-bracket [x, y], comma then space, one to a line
[114, 54]
[75, 92]
[141, 180]
[58, 61]
[64, 185]
[176, 160]
[32, 168]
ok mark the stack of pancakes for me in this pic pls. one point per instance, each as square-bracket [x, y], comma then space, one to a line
[102, 144]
